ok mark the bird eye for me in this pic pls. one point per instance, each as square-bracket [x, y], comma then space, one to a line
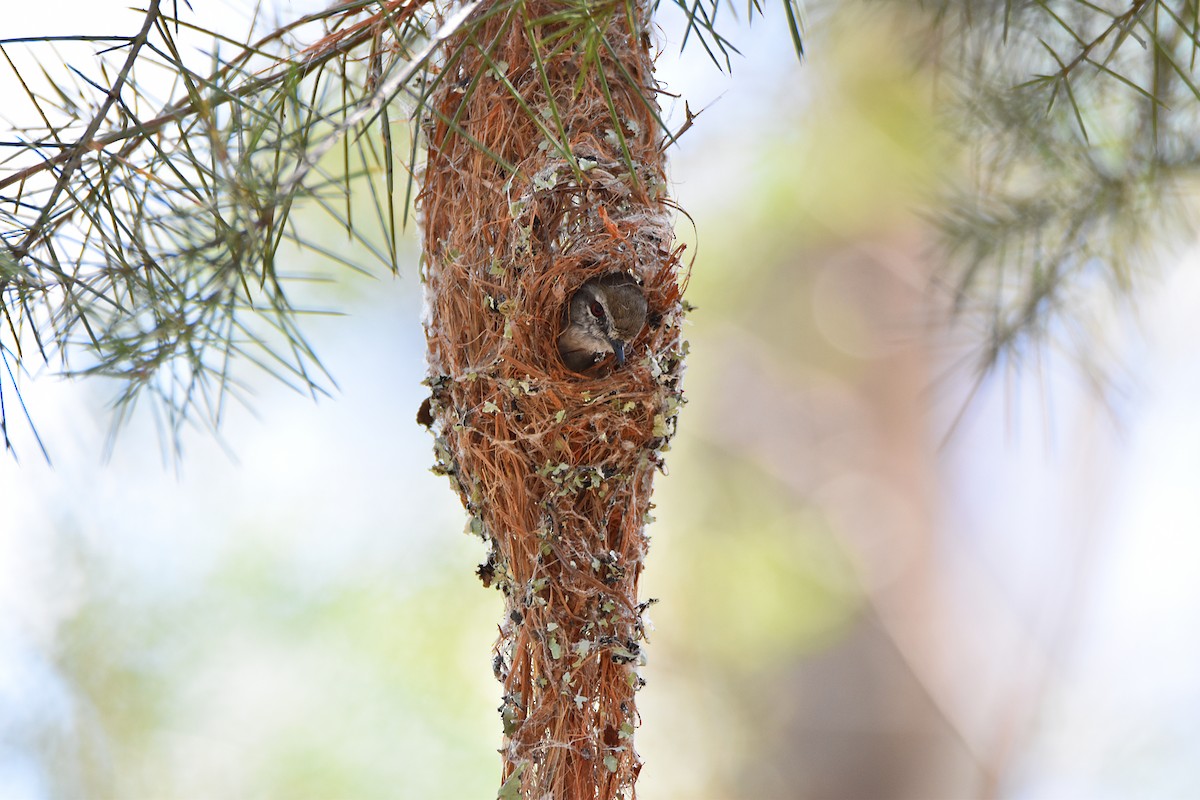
[597, 309]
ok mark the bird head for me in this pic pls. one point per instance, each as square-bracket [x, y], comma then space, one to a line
[602, 318]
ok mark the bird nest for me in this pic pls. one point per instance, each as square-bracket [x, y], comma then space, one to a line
[555, 468]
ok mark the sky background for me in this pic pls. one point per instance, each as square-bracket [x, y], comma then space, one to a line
[294, 612]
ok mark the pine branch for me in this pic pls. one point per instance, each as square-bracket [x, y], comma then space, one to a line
[1071, 202]
[143, 242]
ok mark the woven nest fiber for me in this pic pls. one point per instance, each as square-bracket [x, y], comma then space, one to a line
[555, 468]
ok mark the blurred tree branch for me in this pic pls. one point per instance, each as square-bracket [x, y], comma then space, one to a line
[1080, 120]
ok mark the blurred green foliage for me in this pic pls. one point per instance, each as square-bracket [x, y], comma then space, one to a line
[752, 576]
[259, 682]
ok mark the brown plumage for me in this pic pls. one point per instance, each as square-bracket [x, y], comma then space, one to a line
[602, 318]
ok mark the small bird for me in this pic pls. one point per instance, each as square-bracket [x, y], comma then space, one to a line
[603, 317]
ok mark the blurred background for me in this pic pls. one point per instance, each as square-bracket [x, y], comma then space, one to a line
[881, 572]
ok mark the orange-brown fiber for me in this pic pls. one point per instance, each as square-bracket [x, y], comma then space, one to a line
[555, 468]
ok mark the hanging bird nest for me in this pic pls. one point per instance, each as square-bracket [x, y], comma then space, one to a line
[540, 175]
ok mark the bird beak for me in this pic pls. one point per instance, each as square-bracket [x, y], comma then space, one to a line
[618, 351]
